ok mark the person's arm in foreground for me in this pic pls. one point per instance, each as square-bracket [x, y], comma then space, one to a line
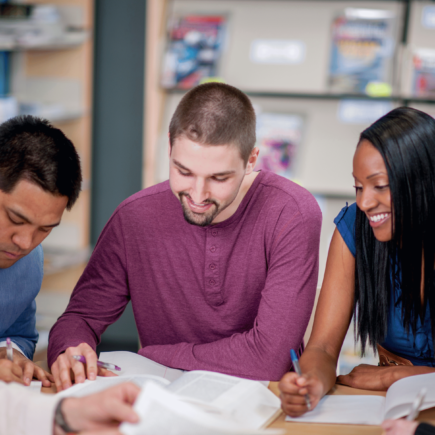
[24, 412]
[404, 427]
[287, 299]
[24, 337]
[333, 314]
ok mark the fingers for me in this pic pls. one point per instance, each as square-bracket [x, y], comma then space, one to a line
[105, 372]
[63, 373]
[344, 380]
[43, 376]
[287, 384]
[29, 368]
[78, 369]
[66, 367]
[91, 360]
[10, 372]
[119, 401]
[113, 431]
[291, 383]
[293, 390]
[121, 411]
[129, 392]
[387, 425]
[56, 375]
[399, 427]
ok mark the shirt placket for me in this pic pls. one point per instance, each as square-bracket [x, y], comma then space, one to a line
[212, 275]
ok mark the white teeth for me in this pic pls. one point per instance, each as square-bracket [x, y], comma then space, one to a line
[378, 217]
[199, 205]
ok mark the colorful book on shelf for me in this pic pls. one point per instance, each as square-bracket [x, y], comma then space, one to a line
[279, 136]
[362, 51]
[423, 84]
[193, 50]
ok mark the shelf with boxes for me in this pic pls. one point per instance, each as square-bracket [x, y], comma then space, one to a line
[46, 53]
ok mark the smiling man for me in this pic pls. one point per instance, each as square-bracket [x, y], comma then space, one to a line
[40, 176]
[220, 262]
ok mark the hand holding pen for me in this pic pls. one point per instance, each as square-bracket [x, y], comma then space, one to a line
[77, 364]
[300, 392]
[101, 364]
[298, 370]
[9, 350]
[18, 368]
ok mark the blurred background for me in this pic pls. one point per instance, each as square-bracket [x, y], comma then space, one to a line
[110, 74]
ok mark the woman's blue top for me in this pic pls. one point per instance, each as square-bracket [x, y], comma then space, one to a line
[418, 348]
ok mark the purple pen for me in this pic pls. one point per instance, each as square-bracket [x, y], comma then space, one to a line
[101, 364]
[9, 350]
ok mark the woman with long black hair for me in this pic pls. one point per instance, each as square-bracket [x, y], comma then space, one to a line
[380, 266]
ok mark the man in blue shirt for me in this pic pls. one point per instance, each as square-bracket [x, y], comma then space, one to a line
[40, 176]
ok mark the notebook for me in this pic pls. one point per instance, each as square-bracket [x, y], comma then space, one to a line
[373, 410]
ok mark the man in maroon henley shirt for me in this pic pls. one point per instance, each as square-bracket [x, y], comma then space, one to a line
[220, 262]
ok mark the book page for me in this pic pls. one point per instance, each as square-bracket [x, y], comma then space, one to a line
[402, 393]
[345, 410]
[162, 412]
[134, 364]
[102, 383]
[247, 402]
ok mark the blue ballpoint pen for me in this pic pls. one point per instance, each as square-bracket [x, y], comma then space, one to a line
[297, 368]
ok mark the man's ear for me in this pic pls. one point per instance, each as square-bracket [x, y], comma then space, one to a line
[169, 145]
[252, 161]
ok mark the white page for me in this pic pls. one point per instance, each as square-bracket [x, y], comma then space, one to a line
[102, 383]
[162, 412]
[248, 402]
[134, 364]
[36, 386]
[346, 410]
[402, 393]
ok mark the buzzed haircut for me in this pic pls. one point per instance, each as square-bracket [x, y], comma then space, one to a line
[215, 114]
[32, 149]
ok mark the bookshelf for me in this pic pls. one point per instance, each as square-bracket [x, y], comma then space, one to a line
[55, 79]
[324, 161]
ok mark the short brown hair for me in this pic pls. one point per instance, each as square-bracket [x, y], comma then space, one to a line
[215, 114]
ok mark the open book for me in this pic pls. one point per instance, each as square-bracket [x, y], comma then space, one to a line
[373, 410]
[177, 402]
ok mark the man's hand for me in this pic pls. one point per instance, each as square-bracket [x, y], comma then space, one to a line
[10, 372]
[293, 390]
[65, 368]
[28, 369]
[102, 411]
[399, 427]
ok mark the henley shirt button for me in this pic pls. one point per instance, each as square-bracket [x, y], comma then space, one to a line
[214, 233]
[212, 282]
[212, 266]
[213, 248]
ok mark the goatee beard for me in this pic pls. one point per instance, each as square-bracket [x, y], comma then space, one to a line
[198, 219]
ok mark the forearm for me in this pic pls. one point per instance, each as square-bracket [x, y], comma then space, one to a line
[214, 357]
[317, 362]
[400, 372]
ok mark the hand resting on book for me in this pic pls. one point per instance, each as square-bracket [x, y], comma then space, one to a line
[66, 368]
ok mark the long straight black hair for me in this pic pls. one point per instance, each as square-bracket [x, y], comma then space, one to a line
[405, 138]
